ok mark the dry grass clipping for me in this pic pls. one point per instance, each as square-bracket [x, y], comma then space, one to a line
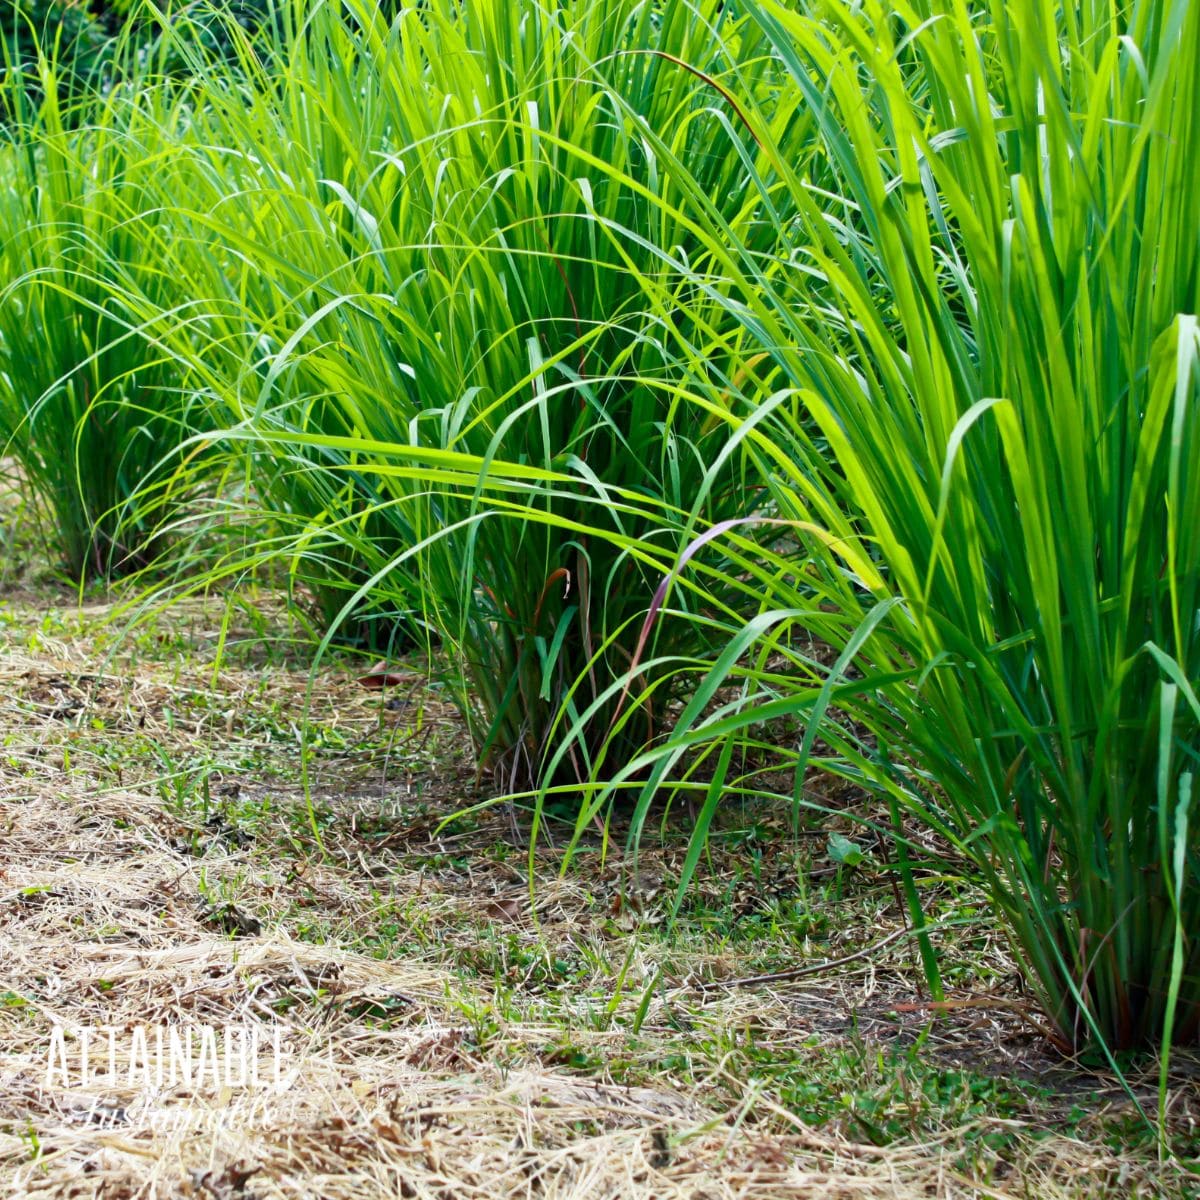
[100, 926]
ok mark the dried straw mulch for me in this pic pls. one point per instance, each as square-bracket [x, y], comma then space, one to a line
[104, 924]
[95, 932]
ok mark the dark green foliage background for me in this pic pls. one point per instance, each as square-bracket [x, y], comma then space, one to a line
[84, 39]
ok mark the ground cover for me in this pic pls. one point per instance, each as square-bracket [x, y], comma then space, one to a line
[454, 1035]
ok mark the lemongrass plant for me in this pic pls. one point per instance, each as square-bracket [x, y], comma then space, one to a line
[404, 235]
[91, 406]
[974, 395]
